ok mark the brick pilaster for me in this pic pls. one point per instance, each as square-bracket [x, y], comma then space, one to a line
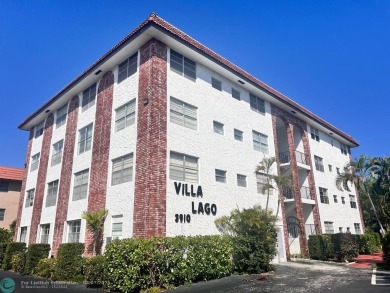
[66, 173]
[312, 185]
[100, 154]
[23, 188]
[151, 149]
[41, 179]
[280, 190]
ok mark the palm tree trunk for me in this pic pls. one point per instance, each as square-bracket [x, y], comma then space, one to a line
[382, 231]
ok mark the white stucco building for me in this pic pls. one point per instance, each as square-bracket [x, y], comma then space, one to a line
[166, 135]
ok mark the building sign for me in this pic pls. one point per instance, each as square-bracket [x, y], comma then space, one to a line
[197, 208]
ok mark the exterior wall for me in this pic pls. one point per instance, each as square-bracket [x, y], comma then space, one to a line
[215, 151]
[342, 215]
[9, 201]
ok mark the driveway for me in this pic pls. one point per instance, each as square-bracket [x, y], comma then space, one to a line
[296, 277]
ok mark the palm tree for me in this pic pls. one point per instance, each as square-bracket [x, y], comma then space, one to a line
[95, 225]
[358, 172]
[281, 181]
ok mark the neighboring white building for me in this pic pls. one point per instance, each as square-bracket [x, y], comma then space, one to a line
[166, 135]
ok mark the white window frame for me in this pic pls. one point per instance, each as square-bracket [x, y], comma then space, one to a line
[220, 176]
[241, 180]
[335, 200]
[257, 104]
[236, 94]
[117, 221]
[261, 180]
[39, 129]
[56, 157]
[330, 167]
[80, 185]
[85, 139]
[216, 83]
[183, 114]
[122, 169]
[125, 115]
[324, 198]
[29, 198]
[89, 97]
[23, 234]
[4, 185]
[35, 162]
[182, 169]
[61, 115]
[74, 231]
[52, 192]
[357, 228]
[260, 142]
[329, 229]
[45, 233]
[352, 201]
[182, 65]
[314, 133]
[218, 127]
[128, 67]
[319, 163]
[343, 149]
[238, 135]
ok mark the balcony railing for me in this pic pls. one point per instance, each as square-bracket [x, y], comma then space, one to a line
[288, 192]
[284, 157]
[310, 229]
[305, 192]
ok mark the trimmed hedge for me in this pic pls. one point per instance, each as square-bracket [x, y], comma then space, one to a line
[69, 265]
[3, 247]
[369, 243]
[135, 264]
[386, 247]
[12, 248]
[320, 247]
[18, 262]
[346, 246]
[45, 268]
[35, 253]
[5, 235]
[94, 271]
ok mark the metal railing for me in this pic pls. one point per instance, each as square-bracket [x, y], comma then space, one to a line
[305, 192]
[284, 157]
[288, 193]
[310, 229]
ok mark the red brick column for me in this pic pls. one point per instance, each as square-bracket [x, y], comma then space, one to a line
[23, 188]
[100, 154]
[41, 179]
[66, 173]
[312, 185]
[280, 191]
[297, 190]
[151, 150]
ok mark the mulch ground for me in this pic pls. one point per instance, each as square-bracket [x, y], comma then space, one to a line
[365, 261]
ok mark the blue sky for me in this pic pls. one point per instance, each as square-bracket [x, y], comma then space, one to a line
[332, 57]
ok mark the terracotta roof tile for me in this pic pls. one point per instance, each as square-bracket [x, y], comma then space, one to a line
[154, 19]
[11, 173]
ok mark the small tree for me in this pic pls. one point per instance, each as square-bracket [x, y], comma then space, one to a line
[95, 225]
[253, 234]
[281, 181]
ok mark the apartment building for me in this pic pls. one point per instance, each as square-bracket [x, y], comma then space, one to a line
[10, 186]
[166, 134]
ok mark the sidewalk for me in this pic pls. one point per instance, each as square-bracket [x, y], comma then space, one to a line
[365, 261]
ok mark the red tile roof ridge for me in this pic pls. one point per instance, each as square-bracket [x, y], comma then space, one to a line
[11, 173]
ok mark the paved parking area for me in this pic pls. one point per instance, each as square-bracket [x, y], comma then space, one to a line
[381, 278]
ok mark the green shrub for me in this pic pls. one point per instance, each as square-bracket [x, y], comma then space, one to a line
[69, 261]
[320, 247]
[346, 246]
[18, 261]
[139, 264]
[35, 253]
[12, 248]
[5, 235]
[45, 268]
[369, 243]
[386, 247]
[3, 247]
[94, 271]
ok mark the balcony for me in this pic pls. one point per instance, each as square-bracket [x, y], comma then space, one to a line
[288, 194]
[302, 160]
